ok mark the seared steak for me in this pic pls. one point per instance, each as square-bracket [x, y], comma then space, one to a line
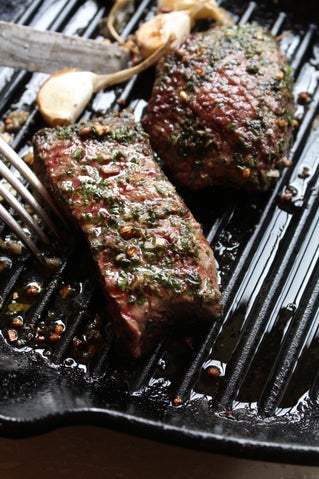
[221, 110]
[154, 262]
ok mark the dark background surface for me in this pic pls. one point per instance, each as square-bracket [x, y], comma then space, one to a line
[87, 452]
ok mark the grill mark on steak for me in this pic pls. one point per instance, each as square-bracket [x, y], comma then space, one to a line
[221, 109]
[154, 262]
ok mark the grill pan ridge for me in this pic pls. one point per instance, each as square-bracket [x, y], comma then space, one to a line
[247, 386]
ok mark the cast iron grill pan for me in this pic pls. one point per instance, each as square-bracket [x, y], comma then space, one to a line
[249, 385]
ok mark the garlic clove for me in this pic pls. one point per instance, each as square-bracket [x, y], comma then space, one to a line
[153, 34]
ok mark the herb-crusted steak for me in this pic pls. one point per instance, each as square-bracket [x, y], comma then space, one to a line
[154, 262]
[221, 110]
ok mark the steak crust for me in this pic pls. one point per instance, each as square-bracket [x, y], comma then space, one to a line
[221, 109]
[154, 263]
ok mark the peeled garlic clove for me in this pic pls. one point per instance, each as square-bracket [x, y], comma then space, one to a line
[64, 95]
[153, 34]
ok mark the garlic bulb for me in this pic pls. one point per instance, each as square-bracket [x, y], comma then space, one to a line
[198, 9]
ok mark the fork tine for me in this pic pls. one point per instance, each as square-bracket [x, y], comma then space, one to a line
[28, 174]
[10, 200]
[14, 203]
[16, 228]
[27, 196]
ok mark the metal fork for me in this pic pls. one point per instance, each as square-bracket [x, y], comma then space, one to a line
[29, 221]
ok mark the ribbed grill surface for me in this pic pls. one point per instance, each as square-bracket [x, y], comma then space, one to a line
[247, 385]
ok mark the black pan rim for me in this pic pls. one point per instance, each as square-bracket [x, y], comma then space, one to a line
[270, 451]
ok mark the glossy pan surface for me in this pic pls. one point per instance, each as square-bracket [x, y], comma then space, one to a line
[246, 387]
